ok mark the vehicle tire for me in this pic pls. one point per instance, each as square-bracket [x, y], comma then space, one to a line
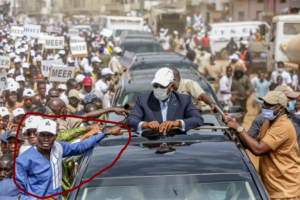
[224, 54]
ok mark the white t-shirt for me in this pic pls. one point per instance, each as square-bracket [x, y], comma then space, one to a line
[254, 80]
[64, 97]
[224, 85]
[285, 76]
[295, 80]
[101, 86]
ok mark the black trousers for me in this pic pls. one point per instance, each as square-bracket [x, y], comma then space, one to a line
[243, 104]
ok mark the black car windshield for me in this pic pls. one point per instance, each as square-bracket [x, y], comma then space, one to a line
[159, 66]
[141, 48]
[170, 188]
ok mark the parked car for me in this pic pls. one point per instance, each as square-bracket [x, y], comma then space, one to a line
[136, 35]
[140, 45]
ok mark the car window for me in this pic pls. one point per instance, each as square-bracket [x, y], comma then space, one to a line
[291, 28]
[138, 48]
[132, 97]
[118, 33]
[159, 191]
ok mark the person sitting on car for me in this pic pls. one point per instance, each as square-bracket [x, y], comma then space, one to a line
[163, 108]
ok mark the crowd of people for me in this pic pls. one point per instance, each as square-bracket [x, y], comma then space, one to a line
[53, 145]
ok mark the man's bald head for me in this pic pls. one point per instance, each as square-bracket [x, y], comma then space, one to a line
[90, 108]
[175, 71]
[57, 106]
[5, 166]
[176, 78]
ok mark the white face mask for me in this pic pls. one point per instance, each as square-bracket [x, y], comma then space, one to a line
[161, 94]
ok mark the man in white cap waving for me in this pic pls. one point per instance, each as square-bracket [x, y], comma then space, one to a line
[163, 108]
[39, 169]
[101, 85]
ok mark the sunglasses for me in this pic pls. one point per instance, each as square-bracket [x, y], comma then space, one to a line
[156, 85]
[28, 133]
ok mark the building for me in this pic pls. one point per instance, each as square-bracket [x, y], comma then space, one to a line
[247, 10]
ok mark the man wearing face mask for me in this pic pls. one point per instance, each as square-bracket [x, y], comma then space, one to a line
[287, 80]
[163, 108]
[277, 147]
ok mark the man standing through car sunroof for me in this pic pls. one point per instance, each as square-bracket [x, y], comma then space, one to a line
[163, 108]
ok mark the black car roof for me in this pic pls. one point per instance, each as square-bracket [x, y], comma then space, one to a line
[161, 58]
[147, 159]
[138, 40]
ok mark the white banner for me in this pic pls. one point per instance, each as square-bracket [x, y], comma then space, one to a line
[3, 82]
[46, 64]
[73, 31]
[17, 31]
[127, 59]
[61, 73]
[42, 38]
[107, 33]
[32, 30]
[79, 49]
[4, 62]
[76, 39]
[54, 42]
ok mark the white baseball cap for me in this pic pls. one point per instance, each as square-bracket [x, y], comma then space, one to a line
[11, 71]
[96, 59]
[79, 78]
[87, 68]
[62, 87]
[32, 122]
[18, 111]
[10, 80]
[106, 71]
[17, 59]
[20, 78]
[4, 111]
[25, 65]
[234, 57]
[28, 93]
[12, 55]
[118, 50]
[47, 125]
[70, 60]
[13, 87]
[245, 42]
[62, 52]
[164, 77]
[39, 58]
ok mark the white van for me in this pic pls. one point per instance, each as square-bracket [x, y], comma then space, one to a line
[284, 28]
[120, 23]
[221, 33]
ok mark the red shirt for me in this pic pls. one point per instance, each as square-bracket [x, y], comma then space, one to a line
[205, 41]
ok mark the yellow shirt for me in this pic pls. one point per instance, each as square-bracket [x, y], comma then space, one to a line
[194, 90]
[280, 169]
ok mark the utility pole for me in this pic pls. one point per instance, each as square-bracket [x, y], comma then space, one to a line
[15, 8]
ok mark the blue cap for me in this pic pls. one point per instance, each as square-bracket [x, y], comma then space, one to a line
[88, 98]
[101, 49]
[4, 136]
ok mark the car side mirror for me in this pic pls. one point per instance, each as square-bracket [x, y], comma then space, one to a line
[210, 79]
[236, 112]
